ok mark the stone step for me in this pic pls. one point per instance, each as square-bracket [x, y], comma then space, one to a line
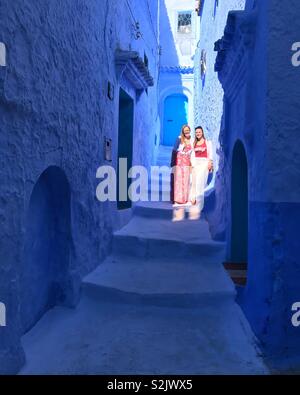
[157, 189]
[165, 149]
[164, 156]
[163, 163]
[156, 247]
[144, 236]
[159, 282]
[156, 181]
[163, 210]
[158, 185]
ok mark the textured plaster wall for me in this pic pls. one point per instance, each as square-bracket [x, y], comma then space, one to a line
[209, 93]
[274, 211]
[260, 110]
[54, 111]
[283, 121]
[208, 104]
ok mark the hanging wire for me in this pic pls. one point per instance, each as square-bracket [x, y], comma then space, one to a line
[152, 24]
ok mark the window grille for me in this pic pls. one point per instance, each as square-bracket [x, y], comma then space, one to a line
[184, 22]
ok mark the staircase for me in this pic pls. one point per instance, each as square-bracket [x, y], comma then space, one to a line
[177, 269]
[161, 303]
[164, 156]
[158, 262]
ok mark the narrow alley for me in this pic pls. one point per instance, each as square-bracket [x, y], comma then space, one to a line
[161, 303]
[150, 195]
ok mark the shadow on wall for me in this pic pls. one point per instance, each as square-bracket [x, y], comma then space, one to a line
[45, 278]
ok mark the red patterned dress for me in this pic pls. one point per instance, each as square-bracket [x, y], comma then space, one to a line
[182, 175]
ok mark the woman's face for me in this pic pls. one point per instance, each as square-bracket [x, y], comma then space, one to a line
[199, 133]
[187, 132]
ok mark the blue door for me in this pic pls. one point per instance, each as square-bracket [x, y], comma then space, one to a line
[175, 115]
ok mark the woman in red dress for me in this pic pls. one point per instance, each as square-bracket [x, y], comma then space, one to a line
[182, 171]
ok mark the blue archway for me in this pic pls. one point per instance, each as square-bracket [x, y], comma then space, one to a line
[44, 277]
[239, 205]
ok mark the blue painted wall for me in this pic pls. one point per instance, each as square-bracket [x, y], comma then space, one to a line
[260, 98]
[208, 104]
[55, 111]
[275, 254]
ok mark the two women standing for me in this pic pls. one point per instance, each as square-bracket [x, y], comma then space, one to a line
[193, 162]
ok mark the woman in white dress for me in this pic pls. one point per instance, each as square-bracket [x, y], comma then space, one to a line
[202, 164]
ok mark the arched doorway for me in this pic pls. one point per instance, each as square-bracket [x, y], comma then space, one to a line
[45, 268]
[175, 115]
[239, 209]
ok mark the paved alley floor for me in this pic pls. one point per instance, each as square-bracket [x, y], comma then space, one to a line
[160, 304]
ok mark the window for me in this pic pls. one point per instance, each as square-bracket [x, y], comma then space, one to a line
[184, 22]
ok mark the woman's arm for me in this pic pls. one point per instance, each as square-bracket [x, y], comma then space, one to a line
[176, 145]
[210, 156]
[209, 150]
